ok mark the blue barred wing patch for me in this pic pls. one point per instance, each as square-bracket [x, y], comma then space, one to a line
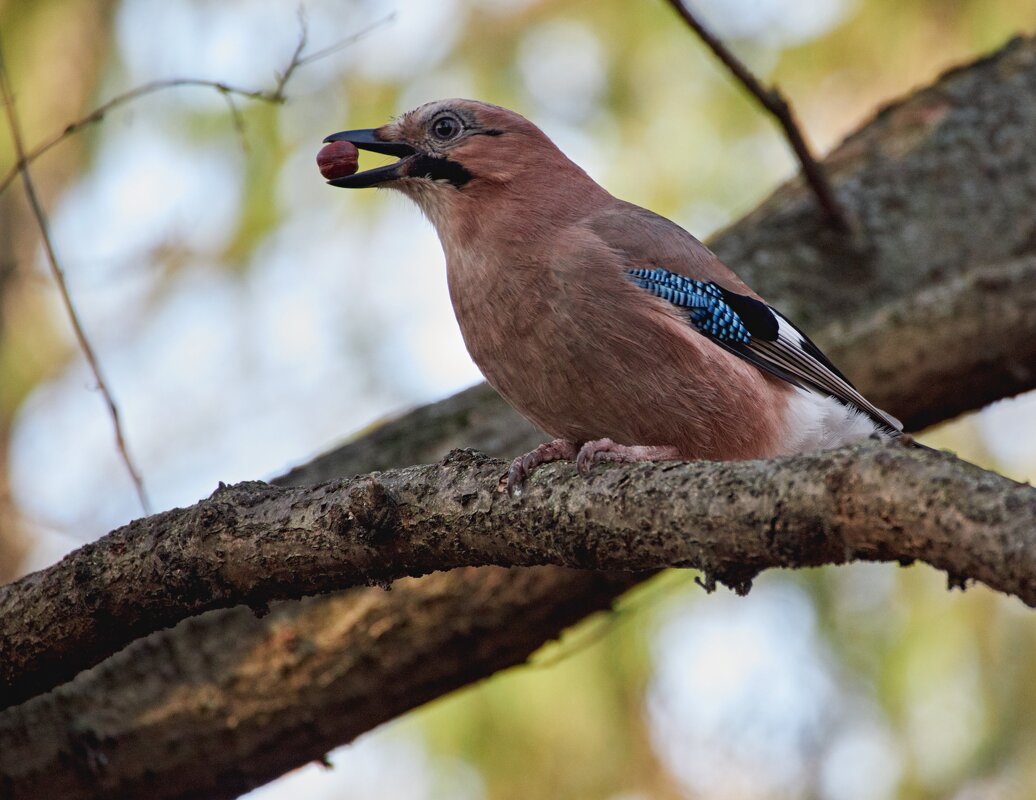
[707, 308]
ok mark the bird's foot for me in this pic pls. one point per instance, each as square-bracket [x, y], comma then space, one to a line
[607, 450]
[522, 467]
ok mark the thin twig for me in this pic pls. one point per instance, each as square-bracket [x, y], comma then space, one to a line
[23, 159]
[774, 102]
[237, 120]
[7, 96]
[347, 41]
[102, 110]
[274, 95]
[277, 95]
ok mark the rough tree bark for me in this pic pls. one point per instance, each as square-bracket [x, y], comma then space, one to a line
[255, 543]
[941, 186]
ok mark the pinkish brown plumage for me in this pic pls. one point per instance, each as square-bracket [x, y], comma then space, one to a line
[608, 326]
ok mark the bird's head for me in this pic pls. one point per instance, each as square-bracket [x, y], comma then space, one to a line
[450, 151]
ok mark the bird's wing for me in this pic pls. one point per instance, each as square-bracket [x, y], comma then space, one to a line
[671, 264]
[646, 239]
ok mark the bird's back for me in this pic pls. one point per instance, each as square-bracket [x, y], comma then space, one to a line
[646, 239]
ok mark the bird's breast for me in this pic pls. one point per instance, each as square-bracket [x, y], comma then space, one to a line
[584, 354]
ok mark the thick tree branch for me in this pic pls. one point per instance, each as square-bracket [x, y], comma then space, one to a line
[212, 708]
[969, 340]
[255, 543]
[942, 185]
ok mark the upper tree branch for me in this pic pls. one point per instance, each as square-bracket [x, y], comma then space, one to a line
[255, 543]
[968, 340]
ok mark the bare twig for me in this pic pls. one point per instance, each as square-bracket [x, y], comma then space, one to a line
[773, 101]
[277, 96]
[237, 119]
[348, 40]
[23, 159]
[274, 95]
[7, 96]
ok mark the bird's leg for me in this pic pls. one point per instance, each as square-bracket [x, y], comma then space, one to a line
[523, 466]
[607, 450]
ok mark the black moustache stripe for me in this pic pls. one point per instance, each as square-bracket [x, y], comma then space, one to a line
[438, 169]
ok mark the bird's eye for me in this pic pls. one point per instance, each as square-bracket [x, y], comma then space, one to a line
[445, 127]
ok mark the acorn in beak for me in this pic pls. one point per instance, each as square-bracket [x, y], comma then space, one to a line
[338, 160]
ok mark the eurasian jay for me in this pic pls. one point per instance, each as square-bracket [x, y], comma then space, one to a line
[608, 326]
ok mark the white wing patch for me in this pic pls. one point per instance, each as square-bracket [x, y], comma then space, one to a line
[791, 353]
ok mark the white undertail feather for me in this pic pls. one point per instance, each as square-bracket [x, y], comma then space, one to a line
[819, 422]
[816, 421]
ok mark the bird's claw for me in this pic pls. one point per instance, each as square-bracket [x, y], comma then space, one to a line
[514, 479]
[592, 452]
[607, 450]
[522, 467]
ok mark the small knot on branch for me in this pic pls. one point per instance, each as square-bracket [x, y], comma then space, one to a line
[372, 514]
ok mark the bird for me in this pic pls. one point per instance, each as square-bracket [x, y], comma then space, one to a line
[608, 326]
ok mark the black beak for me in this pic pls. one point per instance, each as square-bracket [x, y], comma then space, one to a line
[367, 139]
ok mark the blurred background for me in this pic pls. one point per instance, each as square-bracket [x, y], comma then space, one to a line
[248, 317]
